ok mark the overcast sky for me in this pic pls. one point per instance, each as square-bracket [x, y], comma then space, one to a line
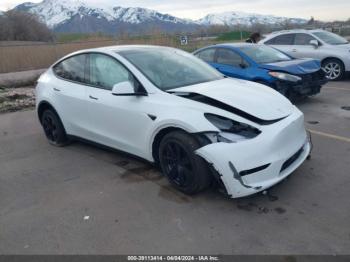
[320, 9]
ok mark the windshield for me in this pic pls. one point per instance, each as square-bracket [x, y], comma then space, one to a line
[264, 54]
[331, 38]
[170, 68]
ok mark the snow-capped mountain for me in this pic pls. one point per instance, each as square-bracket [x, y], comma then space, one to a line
[82, 17]
[56, 12]
[79, 16]
[247, 19]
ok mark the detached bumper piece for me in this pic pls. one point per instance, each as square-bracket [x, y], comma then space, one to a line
[310, 84]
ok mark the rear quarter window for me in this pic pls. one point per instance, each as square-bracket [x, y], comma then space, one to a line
[207, 55]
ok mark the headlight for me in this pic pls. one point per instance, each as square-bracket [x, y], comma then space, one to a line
[285, 76]
[231, 131]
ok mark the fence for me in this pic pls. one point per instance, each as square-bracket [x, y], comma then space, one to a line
[15, 58]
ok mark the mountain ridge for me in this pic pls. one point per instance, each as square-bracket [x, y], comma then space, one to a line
[242, 18]
[81, 17]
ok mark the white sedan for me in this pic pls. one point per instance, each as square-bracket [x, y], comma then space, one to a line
[170, 108]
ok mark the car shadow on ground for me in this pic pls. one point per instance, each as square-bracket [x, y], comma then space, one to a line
[136, 170]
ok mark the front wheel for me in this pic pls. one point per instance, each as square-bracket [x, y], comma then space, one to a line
[185, 170]
[334, 69]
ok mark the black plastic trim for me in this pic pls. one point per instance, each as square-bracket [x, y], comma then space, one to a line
[292, 159]
[132, 94]
[254, 170]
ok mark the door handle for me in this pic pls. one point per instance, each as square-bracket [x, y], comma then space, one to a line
[56, 89]
[294, 50]
[92, 97]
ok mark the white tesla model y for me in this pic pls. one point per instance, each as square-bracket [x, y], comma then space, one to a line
[170, 108]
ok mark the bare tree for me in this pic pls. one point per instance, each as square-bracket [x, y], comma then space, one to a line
[21, 26]
[5, 28]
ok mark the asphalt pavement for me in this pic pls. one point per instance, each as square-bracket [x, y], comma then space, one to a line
[82, 199]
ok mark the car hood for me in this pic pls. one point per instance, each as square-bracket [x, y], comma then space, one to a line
[254, 99]
[295, 66]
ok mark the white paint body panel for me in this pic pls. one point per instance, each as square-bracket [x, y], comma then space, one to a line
[239, 93]
[123, 122]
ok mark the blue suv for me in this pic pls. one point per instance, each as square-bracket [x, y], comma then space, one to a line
[294, 78]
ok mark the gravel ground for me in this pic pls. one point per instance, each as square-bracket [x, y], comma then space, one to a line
[17, 90]
[16, 99]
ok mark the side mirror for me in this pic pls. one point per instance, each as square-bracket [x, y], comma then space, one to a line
[314, 43]
[125, 89]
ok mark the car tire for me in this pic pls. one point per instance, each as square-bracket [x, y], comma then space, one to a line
[53, 128]
[334, 69]
[185, 170]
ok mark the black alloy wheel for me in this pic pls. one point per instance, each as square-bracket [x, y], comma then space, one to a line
[177, 165]
[53, 128]
[185, 170]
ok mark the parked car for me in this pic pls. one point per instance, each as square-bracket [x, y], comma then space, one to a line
[168, 107]
[294, 78]
[332, 50]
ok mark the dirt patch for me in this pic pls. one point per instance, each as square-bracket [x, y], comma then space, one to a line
[140, 174]
[247, 206]
[171, 194]
[16, 99]
[280, 210]
[313, 122]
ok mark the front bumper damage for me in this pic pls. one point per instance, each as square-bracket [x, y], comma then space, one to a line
[251, 166]
[310, 84]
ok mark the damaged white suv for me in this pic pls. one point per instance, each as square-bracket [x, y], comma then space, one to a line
[170, 108]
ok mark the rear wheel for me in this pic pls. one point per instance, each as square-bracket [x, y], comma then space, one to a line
[53, 128]
[334, 69]
[185, 170]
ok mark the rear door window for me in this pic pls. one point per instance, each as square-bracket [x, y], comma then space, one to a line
[72, 69]
[287, 39]
[303, 39]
